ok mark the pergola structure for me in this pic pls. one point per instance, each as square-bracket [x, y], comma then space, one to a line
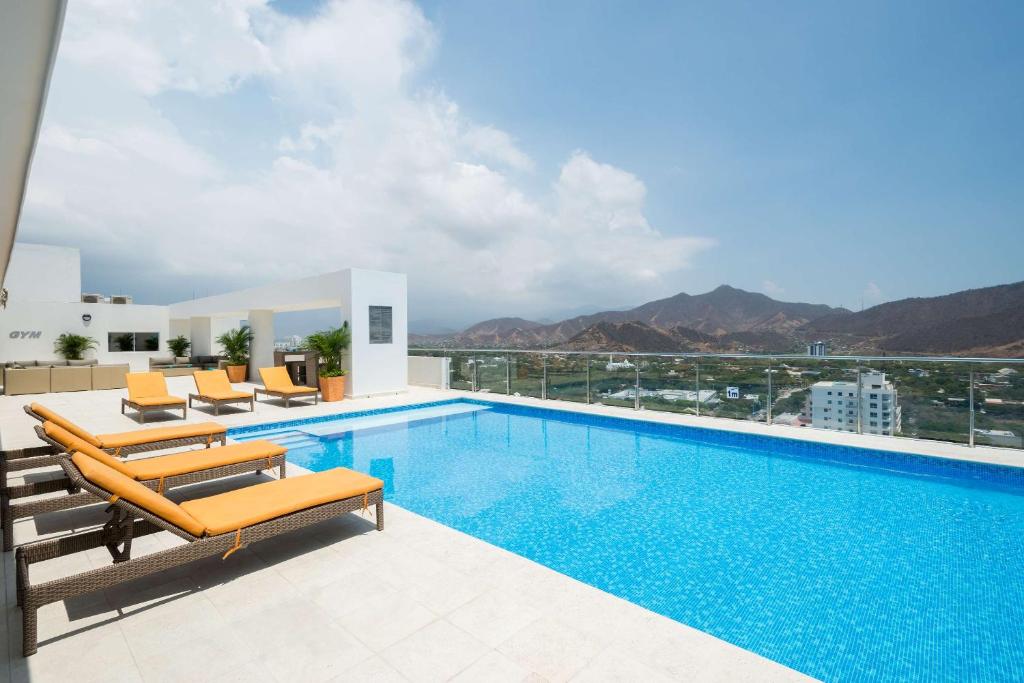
[367, 299]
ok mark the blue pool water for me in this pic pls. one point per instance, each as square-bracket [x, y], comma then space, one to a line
[846, 564]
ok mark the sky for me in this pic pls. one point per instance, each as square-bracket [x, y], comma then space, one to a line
[537, 159]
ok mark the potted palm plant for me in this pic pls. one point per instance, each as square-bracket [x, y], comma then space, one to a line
[73, 346]
[179, 346]
[235, 344]
[331, 344]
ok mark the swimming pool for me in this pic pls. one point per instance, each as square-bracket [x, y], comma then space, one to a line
[842, 563]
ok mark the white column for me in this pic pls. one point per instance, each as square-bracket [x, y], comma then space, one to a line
[261, 355]
[199, 335]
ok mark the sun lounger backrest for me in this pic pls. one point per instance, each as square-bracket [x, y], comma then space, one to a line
[49, 415]
[146, 384]
[276, 378]
[109, 479]
[74, 445]
[212, 382]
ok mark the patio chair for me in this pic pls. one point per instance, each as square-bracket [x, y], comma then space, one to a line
[213, 387]
[216, 525]
[147, 392]
[160, 473]
[277, 384]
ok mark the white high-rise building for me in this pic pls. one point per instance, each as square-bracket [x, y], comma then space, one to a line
[833, 405]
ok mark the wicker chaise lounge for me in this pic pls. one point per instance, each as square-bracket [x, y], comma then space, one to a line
[161, 473]
[217, 525]
[213, 387]
[147, 392]
[277, 384]
[139, 440]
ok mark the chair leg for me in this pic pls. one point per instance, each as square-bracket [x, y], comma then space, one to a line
[5, 506]
[281, 473]
[380, 516]
[29, 626]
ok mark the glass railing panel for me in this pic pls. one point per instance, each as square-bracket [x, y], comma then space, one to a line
[461, 367]
[918, 400]
[738, 388]
[999, 405]
[567, 377]
[491, 374]
[527, 374]
[668, 383]
[613, 380]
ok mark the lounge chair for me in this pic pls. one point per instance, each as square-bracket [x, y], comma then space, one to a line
[216, 525]
[213, 387]
[147, 392]
[277, 384]
[139, 440]
[160, 473]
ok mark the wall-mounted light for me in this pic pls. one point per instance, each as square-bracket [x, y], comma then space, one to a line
[86, 318]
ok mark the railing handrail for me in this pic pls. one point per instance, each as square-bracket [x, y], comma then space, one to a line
[754, 356]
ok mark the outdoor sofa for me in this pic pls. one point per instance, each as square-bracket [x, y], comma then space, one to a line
[46, 376]
[215, 525]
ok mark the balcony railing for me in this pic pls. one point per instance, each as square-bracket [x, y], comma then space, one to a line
[960, 400]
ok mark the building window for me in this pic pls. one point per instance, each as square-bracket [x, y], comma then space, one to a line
[874, 397]
[133, 341]
[874, 405]
[380, 324]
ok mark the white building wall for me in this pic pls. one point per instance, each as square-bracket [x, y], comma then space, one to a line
[378, 368]
[51, 320]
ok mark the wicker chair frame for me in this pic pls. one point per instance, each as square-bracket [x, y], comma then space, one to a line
[142, 410]
[218, 402]
[287, 396]
[128, 521]
[19, 510]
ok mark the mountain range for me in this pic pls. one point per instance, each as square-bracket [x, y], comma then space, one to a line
[987, 321]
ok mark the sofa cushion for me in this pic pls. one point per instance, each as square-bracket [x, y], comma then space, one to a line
[83, 363]
[25, 363]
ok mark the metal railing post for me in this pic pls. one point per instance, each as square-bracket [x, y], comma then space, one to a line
[544, 378]
[587, 360]
[508, 374]
[476, 374]
[970, 393]
[860, 405]
[769, 391]
[696, 366]
[636, 388]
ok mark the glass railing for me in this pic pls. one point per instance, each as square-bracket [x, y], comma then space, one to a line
[958, 400]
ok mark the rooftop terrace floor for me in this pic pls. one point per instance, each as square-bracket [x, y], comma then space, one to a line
[341, 601]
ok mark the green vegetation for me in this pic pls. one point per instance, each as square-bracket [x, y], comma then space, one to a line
[331, 344]
[73, 346]
[235, 344]
[179, 346]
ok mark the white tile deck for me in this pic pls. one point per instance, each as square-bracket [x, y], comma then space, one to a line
[341, 601]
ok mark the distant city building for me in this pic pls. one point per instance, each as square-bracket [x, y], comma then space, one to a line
[999, 437]
[817, 348]
[834, 405]
[613, 365]
[706, 396]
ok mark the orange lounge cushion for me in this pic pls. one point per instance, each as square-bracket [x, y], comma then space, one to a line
[146, 436]
[157, 400]
[143, 384]
[214, 383]
[228, 512]
[225, 395]
[293, 390]
[195, 461]
[49, 415]
[276, 378]
[111, 480]
[73, 444]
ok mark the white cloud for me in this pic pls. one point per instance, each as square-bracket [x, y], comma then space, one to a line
[872, 292]
[365, 166]
[772, 288]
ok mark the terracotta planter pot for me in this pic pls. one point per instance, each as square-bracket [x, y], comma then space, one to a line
[236, 373]
[332, 388]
